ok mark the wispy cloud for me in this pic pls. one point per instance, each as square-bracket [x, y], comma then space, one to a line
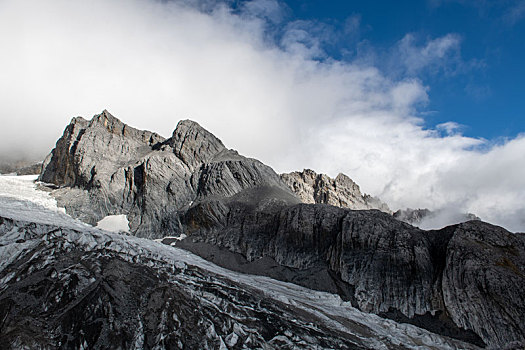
[153, 63]
[440, 55]
[515, 13]
[508, 12]
[270, 10]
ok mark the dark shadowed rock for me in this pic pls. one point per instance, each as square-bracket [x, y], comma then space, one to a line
[385, 265]
[486, 263]
[69, 289]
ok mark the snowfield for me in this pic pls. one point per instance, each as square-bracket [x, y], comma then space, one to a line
[22, 202]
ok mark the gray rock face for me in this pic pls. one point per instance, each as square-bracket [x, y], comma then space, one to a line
[191, 184]
[486, 263]
[342, 192]
[104, 167]
[194, 145]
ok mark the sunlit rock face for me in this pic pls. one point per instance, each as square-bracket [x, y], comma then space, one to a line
[237, 212]
[104, 167]
[342, 191]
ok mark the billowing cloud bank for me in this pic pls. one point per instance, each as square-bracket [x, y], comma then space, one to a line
[270, 93]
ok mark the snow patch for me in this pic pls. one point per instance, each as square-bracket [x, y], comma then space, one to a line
[114, 223]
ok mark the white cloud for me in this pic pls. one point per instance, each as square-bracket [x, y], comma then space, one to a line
[268, 9]
[153, 63]
[450, 128]
[436, 54]
[515, 13]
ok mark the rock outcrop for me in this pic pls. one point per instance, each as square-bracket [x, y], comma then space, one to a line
[382, 265]
[484, 270]
[191, 184]
[342, 191]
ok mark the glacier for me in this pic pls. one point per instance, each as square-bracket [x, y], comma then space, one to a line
[35, 233]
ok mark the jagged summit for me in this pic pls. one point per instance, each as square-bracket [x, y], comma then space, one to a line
[122, 170]
[90, 147]
[342, 191]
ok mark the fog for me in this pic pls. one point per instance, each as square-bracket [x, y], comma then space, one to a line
[277, 97]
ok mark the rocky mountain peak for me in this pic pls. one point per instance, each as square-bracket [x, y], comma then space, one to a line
[342, 191]
[98, 146]
[116, 127]
[193, 144]
[107, 120]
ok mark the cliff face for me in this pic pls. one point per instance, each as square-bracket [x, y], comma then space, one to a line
[485, 269]
[382, 265]
[342, 192]
[234, 208]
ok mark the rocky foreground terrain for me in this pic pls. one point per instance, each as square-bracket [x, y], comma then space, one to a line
[66, 285]
[463, 282]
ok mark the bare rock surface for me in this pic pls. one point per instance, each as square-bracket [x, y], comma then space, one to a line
[342, 191]
[487, 263]
[444, 280]
[385, 266]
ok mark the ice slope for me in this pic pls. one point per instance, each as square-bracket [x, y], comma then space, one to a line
[30, 220]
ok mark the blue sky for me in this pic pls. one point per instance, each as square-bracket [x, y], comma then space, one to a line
[479, 85]
[419, 102]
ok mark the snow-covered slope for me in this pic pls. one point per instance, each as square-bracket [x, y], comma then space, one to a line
[66, 284]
